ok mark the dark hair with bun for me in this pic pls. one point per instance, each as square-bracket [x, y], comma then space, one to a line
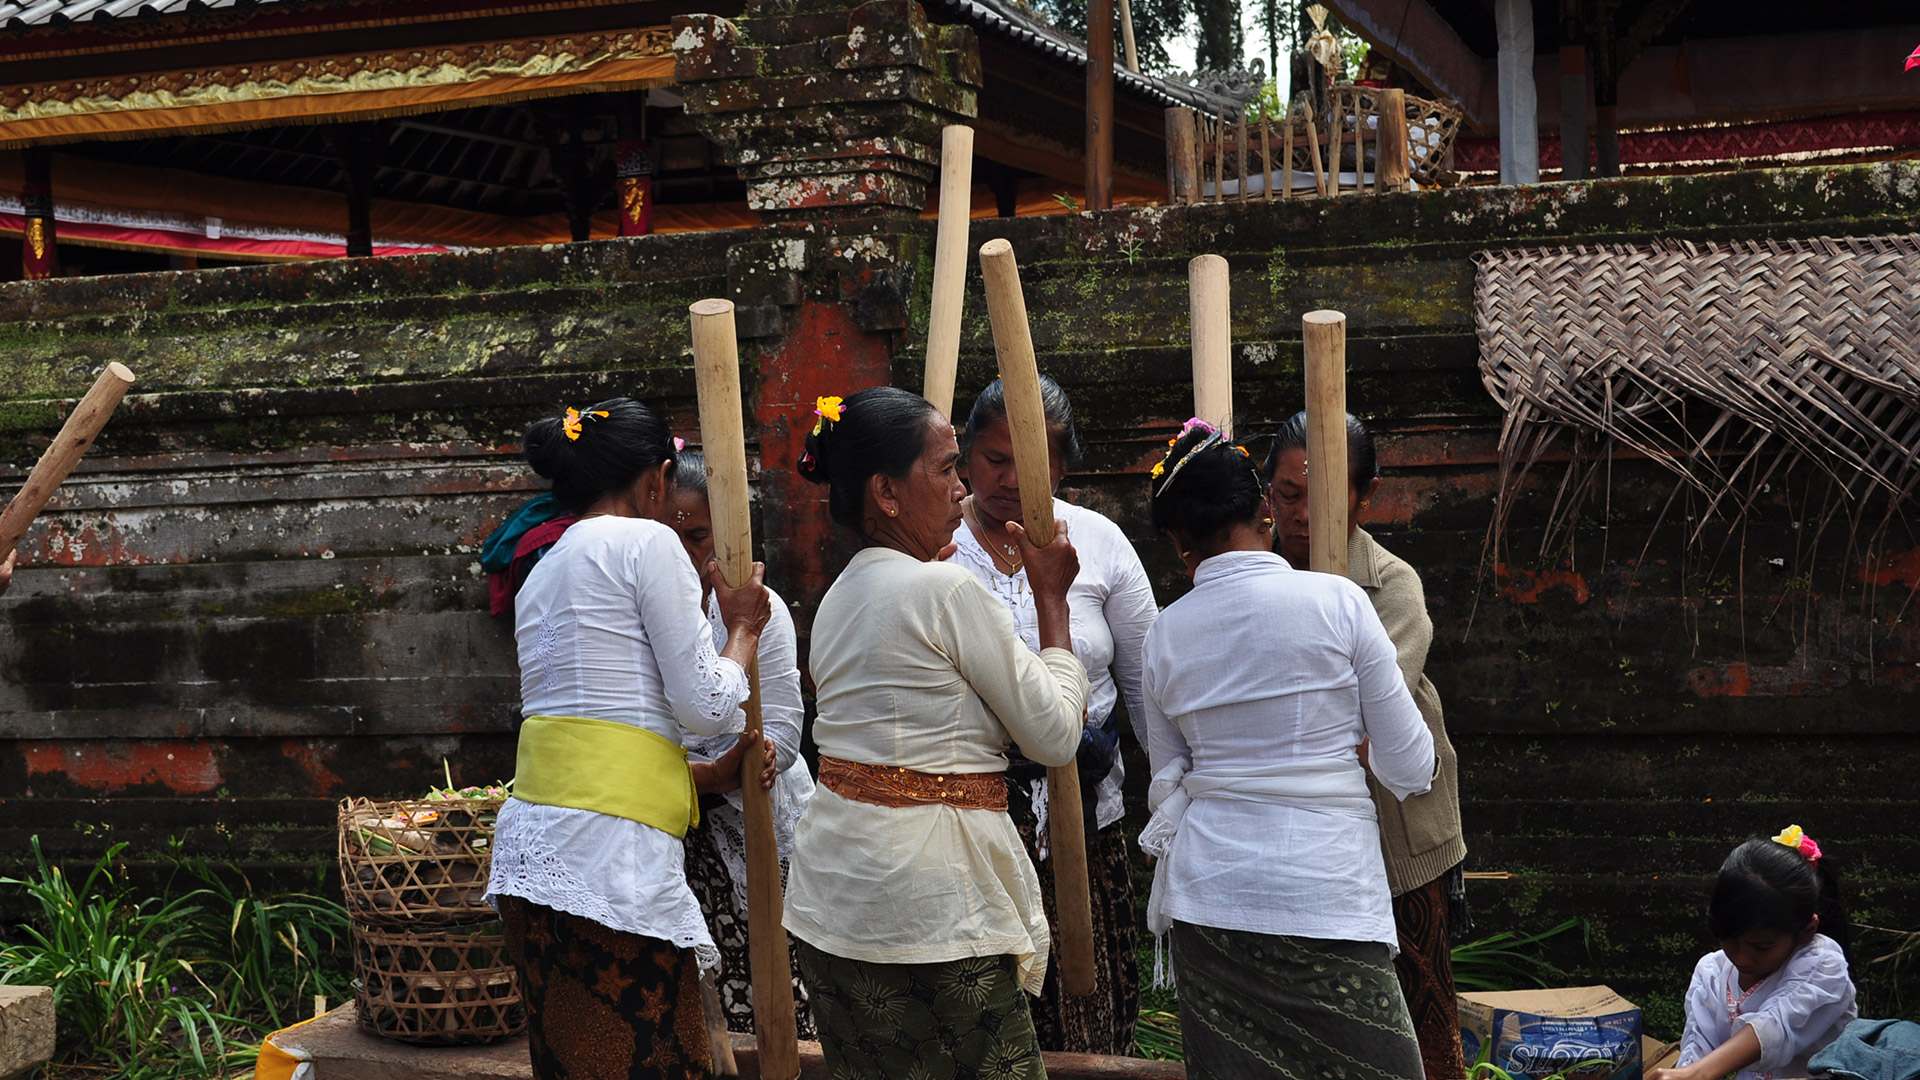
[610, 454]
[882, 431]
[990, 408]
[1213, 491]
[1766, 885]
[1363, 464]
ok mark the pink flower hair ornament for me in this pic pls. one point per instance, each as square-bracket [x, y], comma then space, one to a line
[1797, 839]
[1913, 60]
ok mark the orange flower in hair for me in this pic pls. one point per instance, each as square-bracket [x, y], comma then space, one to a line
[571, 425]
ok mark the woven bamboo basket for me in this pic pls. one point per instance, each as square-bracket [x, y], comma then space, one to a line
[1431, 128]
[417, 863]
[443, 987]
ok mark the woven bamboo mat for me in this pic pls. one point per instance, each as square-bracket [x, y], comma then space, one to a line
[1726, 363]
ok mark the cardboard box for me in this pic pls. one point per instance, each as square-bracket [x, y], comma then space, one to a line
[1541, 1033]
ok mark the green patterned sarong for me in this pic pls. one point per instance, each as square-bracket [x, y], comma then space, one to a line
[1272, 1007]
[960, 1020]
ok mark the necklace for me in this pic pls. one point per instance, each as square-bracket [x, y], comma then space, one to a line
[999, 551]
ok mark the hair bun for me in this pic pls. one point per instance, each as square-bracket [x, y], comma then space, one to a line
[547, 449]
[813, 458]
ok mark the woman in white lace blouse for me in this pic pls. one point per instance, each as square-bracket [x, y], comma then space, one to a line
[616, 659]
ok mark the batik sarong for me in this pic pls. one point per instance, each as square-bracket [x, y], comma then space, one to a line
[1287, 1008]
[603, 1004]
[963, 1019]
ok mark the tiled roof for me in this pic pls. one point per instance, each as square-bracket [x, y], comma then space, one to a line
[1007, 20]
[17, 15]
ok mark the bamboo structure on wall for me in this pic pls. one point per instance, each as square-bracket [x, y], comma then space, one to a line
[1227, 157]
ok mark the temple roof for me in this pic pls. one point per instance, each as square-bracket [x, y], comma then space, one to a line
[15, 16]
[1008, 20]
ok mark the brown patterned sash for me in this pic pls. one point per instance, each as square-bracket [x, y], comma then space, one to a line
[891, 785]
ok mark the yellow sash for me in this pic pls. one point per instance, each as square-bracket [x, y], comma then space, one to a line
[606, 767]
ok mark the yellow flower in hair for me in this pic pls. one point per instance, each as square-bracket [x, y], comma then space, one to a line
[827, 409]
[1243, 451]
[571, 425]
[1159, 468]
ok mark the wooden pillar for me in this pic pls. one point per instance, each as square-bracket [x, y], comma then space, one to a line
[633, 166]
[1574, 100]
[576, 181]
[39, 252]
[1519, 105]
[1392, 168]
[1183, 156]
[358, 148]
[1100, 104]
[1126, 37]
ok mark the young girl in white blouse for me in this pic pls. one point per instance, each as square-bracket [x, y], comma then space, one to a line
[1778, 990]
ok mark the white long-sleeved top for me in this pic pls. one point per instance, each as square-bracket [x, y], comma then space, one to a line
[1795, 1012]
[918, 666]
[1259, 686]
[1112, 605]
[781, 716]
[609, 627]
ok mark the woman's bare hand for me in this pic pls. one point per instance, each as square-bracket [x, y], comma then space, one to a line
[1050, 569]
[747, 608]
[721, 775]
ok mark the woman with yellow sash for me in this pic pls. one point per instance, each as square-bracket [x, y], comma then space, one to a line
[616, 658]
[717, 847]
[918, 914]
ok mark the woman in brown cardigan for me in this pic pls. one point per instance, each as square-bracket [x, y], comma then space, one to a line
[1422, 835]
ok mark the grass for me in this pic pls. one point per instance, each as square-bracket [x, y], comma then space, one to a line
[180, 985]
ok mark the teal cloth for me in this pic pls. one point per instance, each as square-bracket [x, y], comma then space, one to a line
[497, 553]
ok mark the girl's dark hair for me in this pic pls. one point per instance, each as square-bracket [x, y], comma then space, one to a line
[1215, 490]
[1363, 465]
[690, 472]
[1766, 885]
[882, 431]
[611, 452]
[990, 408]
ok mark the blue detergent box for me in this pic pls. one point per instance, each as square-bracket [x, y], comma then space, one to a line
[1583, 1032]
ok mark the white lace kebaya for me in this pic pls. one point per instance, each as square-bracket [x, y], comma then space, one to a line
[609, 627]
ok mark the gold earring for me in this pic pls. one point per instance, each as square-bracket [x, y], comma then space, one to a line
[891, 512]
[1186, 554]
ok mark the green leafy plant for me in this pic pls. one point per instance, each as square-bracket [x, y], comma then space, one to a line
[272, 954]
[1156, 1034]
[122, 990]
[1072, 204]
[1505, 960]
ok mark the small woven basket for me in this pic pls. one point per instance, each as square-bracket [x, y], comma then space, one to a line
[444, 987]
[417, 863]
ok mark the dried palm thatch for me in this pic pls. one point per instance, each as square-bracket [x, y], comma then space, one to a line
[1728, 364]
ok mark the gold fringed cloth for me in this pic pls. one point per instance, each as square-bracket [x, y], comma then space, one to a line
[358, 86]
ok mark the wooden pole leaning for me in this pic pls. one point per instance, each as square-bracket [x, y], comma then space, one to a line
[1027, 422]
[1324, 334]
[949, 267]
[78, 433]
[1391, 153]
[1208, 294]
[716, 369]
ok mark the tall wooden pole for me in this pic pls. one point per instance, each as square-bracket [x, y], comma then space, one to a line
[75, 436]
[1325, 336]
[1126, 37]
[1100, 104]
[1027, 422]
[1209, 297]
[716, 370]
[949, 267]
[1392, 167]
